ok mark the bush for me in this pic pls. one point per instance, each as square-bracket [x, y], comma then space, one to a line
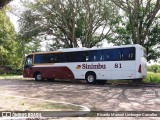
[9, 70]
[154, 68]
[152, 77]
[5, 69]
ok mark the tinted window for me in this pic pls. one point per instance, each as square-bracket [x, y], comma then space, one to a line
[40, 58]
[46, 58]
[116, 54]
[107, 55]
[53, 58]
[95, 55]
[100, 56]
[62, 57]
[119, 54]
[92, 56]
[79, 56]
[112, 55]
[128, 53]
[85, 56]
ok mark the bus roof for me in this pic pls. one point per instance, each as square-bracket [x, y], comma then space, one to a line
[84, 49]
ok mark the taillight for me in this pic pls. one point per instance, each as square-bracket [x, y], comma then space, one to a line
[140, 69]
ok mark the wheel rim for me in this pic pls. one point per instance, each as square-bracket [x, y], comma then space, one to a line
[90, 78]
[39, 77]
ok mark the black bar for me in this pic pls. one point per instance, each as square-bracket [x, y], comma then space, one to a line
[39, 114]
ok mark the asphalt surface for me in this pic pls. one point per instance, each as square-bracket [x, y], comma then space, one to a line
[108, 97]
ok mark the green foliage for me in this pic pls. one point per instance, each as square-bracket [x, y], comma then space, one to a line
[139, 24]
[152, 78]
[154, 68]
[69, 23]
[9, 44]
[153, 43]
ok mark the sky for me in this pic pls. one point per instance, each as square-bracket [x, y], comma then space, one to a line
[14, 18]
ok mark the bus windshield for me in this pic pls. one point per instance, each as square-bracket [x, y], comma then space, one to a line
[29, 61]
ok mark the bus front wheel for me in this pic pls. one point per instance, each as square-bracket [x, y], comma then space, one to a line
[91, 78]
[38, 77]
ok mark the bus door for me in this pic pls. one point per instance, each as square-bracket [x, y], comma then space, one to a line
[28, 71]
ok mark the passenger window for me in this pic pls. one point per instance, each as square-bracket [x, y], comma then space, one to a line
[40, 58]
[99, 56]
[85, 56]
[62, 57]
[53, 58]
[107, 55]
[70, 57]
[78, 56]
[116, 54]
[128, 53]
[92, 56]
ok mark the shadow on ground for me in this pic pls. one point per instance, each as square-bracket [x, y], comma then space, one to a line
[108, 97]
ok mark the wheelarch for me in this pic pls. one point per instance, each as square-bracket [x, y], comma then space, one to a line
[35, 73]
[90, 72]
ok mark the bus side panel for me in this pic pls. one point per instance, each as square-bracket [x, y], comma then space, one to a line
[79, 71]
[60, 72]
[43, 70]
[123, 69]
[100, 74]
[144, 66]
[28, 73]
[141, 64]
[113, 70]
[105, 74]
[144, 62]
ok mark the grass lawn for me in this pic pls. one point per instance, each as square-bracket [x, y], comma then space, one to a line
[152, 77]
[10, 76]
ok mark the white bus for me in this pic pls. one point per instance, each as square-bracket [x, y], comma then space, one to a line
[127, 62]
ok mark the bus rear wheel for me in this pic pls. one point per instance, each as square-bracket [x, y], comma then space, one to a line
[90, 78]
[38, 77]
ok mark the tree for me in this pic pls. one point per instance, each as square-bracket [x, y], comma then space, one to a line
[139, 24]
[8, 44]
[3, 3]
[68, 23]
[155, 68]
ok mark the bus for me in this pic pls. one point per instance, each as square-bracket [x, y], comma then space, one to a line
[127, 62]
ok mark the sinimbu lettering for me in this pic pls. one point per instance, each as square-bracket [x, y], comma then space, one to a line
[92, 66]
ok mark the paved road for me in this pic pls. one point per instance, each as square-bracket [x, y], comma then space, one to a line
[96, 97]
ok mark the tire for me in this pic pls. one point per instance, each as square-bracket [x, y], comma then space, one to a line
[90, 78]
[38, 77]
